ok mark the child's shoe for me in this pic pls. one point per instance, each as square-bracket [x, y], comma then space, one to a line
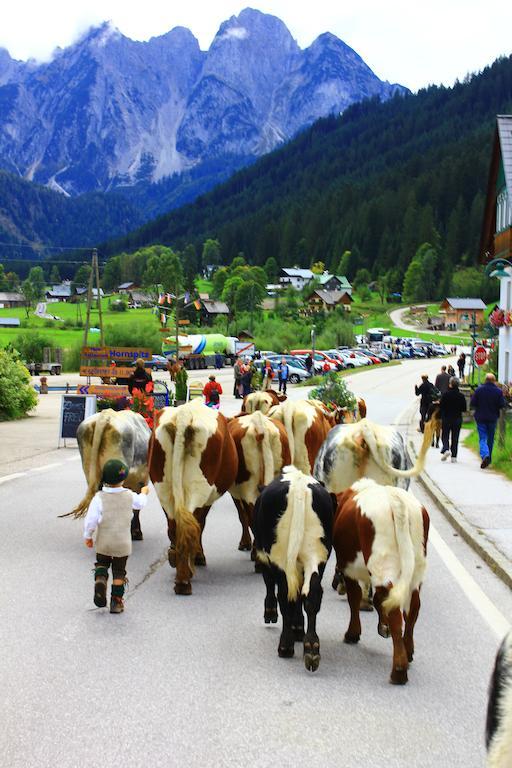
[100, 586]
[116, 599]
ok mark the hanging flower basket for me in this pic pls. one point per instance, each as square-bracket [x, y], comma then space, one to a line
[497, 318]
[143, 403]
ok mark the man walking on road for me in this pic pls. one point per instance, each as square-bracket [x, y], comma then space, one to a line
[487, 401]
[442, 380]
[451, 407]
[426, 390]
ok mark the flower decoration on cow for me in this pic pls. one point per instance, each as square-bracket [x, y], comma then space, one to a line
[143, 402]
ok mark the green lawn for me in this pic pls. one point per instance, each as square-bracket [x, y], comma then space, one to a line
[501, 456]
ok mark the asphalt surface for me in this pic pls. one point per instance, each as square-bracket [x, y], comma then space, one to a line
[196, 680]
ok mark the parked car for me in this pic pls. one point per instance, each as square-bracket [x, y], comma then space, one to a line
[350, 360]
[296, 372]
[370, 355]
[320, 357]
[157, 363]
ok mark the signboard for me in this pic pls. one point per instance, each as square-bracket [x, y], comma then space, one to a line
[74, 409]
[183, 322]
[111, 391]
[480, 356]
[243, 348]
[106, 371]
[117, 353]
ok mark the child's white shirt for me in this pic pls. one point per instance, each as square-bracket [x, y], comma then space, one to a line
[95, 512]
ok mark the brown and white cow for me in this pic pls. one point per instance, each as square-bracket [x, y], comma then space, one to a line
[293, 533]
[263, 450]
[343, 415]
[498, 733]
[380, 538]
[193, 463]
[261, 401]
[307, 425]
[108, 435]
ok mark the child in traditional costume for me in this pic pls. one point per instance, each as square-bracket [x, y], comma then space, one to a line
[110, 514]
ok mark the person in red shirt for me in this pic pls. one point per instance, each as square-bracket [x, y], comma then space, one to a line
[326, 368]
[212, 391]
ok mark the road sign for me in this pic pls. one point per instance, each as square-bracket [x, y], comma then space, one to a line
[480, 356]
[103, 390]
[245, 348]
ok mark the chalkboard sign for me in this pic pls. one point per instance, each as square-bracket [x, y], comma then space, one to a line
[74, 409]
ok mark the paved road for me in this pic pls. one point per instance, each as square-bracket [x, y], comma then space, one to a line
[197, 681]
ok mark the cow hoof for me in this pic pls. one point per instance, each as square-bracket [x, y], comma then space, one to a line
[341, 589]
[285, 653]
[137, 536]
[311, 656]
[244, 547]
[383, 631]
[200, 559]
[298, 633]
[253, 555]
[183, 588]
[351, 639]
[366, 606]
[270, 616]
[171, 554]
[410, 657]
[335, 581]
[398, 677]
[258, 567]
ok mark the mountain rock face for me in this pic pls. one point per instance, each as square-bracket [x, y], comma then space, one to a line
[109, 112]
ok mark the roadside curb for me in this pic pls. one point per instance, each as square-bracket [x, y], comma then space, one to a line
[477, 540]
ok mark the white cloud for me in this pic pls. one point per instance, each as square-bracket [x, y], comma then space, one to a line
[411, 43]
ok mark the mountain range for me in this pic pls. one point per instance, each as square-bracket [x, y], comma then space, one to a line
[110, 113]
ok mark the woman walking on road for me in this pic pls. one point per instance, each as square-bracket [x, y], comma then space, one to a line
[452, 406]
[461, 364]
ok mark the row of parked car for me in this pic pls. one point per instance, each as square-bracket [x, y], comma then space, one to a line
[343, 358]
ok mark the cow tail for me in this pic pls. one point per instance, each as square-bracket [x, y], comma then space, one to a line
[187, 528]
[297, 499]
[265, 455]
[400, 593]
[379, 457]
[361, 406]
[94, 470]
[288, 417]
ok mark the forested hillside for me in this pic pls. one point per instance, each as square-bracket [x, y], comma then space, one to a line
[30, 213]
[379, 181]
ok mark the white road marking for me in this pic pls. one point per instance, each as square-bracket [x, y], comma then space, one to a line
[11, 477]
[487, 610]
[46, 466]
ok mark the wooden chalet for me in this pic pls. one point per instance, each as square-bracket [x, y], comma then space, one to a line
[327, 301]
[459, 313]
[496, 237]
[211, 309]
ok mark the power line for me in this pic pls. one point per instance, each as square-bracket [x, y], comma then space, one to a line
[42, 263]
[42, 246]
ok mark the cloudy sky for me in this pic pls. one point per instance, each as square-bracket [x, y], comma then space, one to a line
[402, 41]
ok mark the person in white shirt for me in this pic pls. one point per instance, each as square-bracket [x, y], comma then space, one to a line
[110, 515]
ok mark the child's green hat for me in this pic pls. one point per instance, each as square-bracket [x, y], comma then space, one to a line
[114, 472]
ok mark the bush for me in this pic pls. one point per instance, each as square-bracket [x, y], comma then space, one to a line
[17, 396]
[30, 345]
[134, 334]
[334, 392]
[118, 305]
[71, 359]
[181, 384]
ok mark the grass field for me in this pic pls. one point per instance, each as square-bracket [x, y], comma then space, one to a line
[501, 456]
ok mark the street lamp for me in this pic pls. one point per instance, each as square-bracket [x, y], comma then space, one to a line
[498, 268]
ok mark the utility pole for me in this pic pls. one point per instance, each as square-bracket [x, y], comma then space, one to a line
[95, 274]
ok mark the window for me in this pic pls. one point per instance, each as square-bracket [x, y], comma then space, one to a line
[503, 211]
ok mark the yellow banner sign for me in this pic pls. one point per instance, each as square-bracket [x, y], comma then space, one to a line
[117, 353]
[103, 390]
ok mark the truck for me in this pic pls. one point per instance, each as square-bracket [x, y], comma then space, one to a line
[54, 369]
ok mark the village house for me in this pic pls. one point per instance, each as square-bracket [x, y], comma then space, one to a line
[327, 301]
[62, 292]
[295, 277]
[211, 309]
[138, 298]
[329, 282]
[496, 239]
[458, 314]
[10, 299]
[127, 287]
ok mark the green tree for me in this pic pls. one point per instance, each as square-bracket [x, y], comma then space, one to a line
[112, 273]
[219, 280]
[249, 298]
[3, 279]
[36, 277]
[17, 395]
[55, 275]
[190, 266]
[211, 252]
[318, 268]
[164, 271]
[229, 292]
[29, 300]
[362, 278]
[412, 288]
[271, 268]
[344, 265]
[81, 277]
[13, 281]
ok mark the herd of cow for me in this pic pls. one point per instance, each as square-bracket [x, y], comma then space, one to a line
[303, 481]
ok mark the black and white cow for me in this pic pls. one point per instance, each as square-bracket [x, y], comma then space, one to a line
[499, 710]
[293, 535]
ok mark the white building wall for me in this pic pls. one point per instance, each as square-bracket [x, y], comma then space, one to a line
[505, 334]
